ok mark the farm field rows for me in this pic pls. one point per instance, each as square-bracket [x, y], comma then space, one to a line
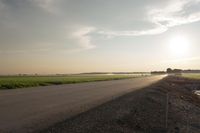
[13, 82]
[192, 75]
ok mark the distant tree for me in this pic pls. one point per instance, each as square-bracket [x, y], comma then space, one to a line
[174, 71]
[169, 70]
[177, 71]
[158, 72]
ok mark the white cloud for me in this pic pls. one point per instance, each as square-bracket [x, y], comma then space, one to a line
[83, 37]
[160, 18]
[159, 29]
[173, 14]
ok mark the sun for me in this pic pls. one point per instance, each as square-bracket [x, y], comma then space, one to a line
[179, 46]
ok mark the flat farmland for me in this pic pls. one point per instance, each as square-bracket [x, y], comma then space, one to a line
[192, 75]
[13, 82]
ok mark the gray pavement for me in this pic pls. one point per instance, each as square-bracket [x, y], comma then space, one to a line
[30, 109]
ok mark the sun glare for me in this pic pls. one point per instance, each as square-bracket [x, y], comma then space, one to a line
[179, 46]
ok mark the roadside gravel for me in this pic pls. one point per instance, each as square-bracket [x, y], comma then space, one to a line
[167, 106]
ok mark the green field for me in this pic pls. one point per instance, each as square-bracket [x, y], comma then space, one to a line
[13, 82]
[192, 75]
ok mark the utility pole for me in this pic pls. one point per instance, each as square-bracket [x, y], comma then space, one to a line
[188, 118]
[167, 108]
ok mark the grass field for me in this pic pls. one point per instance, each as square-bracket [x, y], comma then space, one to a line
[13, 82]
[192, 75]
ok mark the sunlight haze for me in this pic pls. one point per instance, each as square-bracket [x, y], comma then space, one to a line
[74, 36]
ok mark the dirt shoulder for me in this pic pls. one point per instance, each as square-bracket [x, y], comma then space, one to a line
[142, 111]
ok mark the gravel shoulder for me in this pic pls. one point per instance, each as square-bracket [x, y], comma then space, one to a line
[142, 111]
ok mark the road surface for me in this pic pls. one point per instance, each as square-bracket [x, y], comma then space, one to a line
[31, 109]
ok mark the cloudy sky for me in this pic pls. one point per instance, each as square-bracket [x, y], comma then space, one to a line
[72, 36]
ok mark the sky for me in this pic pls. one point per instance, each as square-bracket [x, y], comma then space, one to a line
[73, 36]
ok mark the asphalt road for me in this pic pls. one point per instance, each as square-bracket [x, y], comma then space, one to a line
[31, 109]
